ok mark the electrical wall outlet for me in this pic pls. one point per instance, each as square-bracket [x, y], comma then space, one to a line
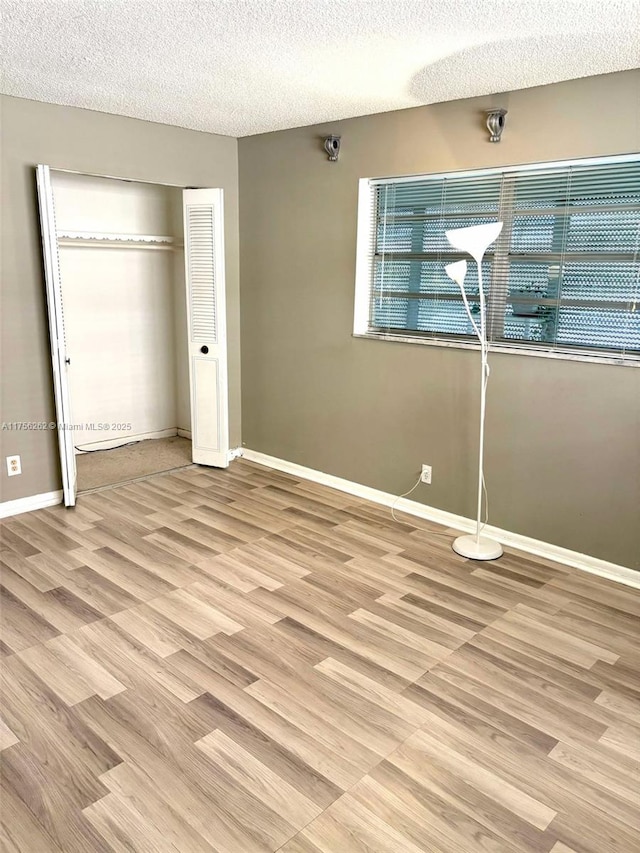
[13, 466]
[425, 475]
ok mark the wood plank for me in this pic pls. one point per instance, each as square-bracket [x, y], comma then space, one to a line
[259, 779]
[7, 737]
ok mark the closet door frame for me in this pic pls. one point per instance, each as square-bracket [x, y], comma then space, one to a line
[216, 381]
[59, 359]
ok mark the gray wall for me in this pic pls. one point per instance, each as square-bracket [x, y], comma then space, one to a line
[85, 141]
[563, 438]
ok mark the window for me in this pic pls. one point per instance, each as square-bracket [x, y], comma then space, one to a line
[563, 277]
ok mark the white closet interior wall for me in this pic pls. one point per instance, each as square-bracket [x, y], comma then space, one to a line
[125, 322]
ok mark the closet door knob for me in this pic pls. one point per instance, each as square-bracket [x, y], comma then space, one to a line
[204, 350]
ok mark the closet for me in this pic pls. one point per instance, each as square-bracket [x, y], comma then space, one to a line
[135, 292]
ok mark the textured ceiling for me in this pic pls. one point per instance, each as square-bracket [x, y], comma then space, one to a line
[240, 67]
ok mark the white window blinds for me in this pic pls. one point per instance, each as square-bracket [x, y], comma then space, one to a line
[564, 274]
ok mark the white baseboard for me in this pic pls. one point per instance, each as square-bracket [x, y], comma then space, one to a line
[584, 562]
[184, 433]
[8, 508]
[110, 443]
[235, 453]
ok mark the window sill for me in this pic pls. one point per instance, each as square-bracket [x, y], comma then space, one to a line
[564, 355]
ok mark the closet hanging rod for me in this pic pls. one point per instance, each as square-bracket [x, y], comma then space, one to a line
[121, 244]
[99, 237]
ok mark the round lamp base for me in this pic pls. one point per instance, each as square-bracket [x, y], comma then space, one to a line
[485, 549]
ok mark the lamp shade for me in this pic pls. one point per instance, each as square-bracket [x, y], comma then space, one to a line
[475, 239]
[457, 270]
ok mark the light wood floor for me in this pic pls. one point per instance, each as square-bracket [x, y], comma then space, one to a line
[237, 661]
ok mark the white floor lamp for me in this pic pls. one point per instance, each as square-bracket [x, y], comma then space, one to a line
[475, 240]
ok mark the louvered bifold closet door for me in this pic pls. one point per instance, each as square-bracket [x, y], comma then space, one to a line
[206, 314]
[59, 358]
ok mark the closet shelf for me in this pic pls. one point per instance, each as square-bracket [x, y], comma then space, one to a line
[98, 238]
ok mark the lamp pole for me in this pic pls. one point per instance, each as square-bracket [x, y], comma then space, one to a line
[484, 375]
